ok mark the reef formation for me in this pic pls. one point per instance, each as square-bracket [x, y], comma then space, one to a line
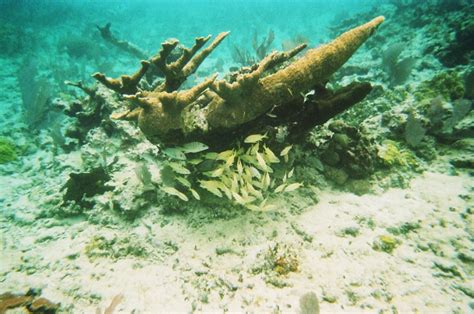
[268, 94]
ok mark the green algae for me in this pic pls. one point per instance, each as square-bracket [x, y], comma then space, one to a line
[386, 243]
[392, 155]
[7, 151]
[114, 248]
[449, 85]
[404, 229]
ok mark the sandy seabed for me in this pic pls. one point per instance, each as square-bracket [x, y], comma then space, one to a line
[333, 242]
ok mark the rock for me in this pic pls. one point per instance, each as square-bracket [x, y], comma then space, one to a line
[338, 176]
[465, 144]
[330, 157]
[465, 161]
[450, 269]
[329, 298]
[360, 187]
[42, 305]
[309, 304]
[465, 127]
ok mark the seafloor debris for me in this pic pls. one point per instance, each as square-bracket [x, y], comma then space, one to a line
[86, 184]
[31, 302]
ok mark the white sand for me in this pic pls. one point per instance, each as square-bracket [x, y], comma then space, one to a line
[332, 265]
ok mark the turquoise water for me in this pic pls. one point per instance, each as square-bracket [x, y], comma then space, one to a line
[245, 180]
[148, 23]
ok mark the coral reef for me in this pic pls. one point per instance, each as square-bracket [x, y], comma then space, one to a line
[449, 85]
[233, 227]
[459, 49]
[212, 107]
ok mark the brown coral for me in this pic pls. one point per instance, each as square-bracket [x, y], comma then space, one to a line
[29, 301]
[212, 107]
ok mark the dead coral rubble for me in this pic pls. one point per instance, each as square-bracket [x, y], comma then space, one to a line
[30, 301]
[89, 112]
[214, 108]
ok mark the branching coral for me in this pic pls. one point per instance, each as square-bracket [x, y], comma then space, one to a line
[108, 36]
[216, 107]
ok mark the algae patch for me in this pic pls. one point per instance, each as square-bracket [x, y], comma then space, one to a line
[7, 151]
[386, 243]
[100, 246]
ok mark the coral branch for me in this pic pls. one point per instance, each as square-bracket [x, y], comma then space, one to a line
[326, 104]
[86, 89]
[126, 85]
[212, 108]
[177, 72]
[192, 66]
[248, 80]
[160, 59]
[107, 35]
[190, 95]
[285, 85]
[188, 54]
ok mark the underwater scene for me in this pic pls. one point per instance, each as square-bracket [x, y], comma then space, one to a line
[236, 156]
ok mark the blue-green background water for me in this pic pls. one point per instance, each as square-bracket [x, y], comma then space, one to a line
[50, 25]
[382, 218]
